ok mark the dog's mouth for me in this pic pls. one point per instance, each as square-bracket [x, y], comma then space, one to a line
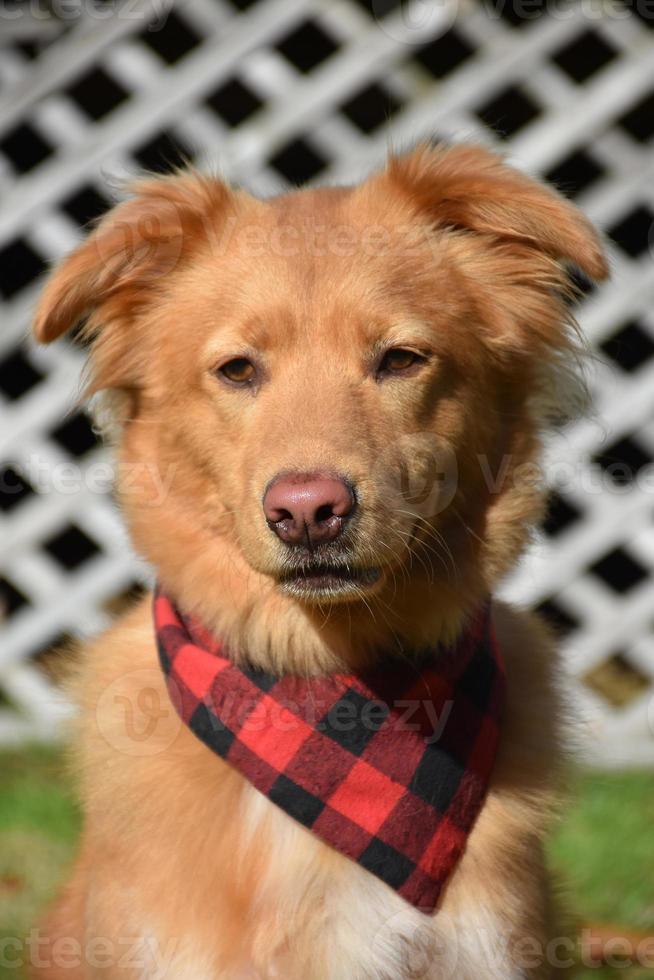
[326, 579]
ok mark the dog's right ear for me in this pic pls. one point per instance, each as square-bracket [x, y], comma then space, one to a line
[471, 188]
[131, 249]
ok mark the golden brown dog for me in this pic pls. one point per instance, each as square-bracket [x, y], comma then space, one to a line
[396, 348]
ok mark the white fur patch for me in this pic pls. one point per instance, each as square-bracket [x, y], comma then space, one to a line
[360, 928]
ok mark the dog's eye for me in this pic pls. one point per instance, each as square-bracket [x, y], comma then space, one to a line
[239, 371]
[397, 360]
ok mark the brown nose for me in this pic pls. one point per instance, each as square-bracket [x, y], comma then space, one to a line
[307, 508]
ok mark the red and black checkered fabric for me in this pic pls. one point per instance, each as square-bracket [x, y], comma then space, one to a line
[389, 767]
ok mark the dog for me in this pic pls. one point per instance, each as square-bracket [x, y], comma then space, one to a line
[327, 409]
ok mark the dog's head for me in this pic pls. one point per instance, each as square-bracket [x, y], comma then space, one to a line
[333, 390]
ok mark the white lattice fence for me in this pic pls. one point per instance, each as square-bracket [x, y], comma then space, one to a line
[281, 91]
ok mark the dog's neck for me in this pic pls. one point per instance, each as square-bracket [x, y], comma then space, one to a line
[282, 635]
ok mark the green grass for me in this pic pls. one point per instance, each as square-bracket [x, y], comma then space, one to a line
[605, 848]
[602, 852]
[39, 824]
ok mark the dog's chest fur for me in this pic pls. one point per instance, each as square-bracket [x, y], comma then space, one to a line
[334, 921]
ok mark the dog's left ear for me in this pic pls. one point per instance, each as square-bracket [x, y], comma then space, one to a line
[127, 260]
[135, 246]
[470, 188]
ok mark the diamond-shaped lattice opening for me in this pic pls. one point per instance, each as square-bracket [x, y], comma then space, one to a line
[630, 347]
[234, 102]
[119, 603]
[581, 286]
[575, 173]
[508, 112]
[370, 108]
[307, 46]
[11, 599]
[645, 13]
[163, 153]
[444, 54]
[14, 488]
[639, 121]
[17, 375]
[379, 8]
[172, 39]
[559, 618]
[76, 435]
[561, 514]
[584, 56]
[633, 233]
[20, 265]
[30, 49]
[519, 13]
[25, 148]
[619, 570]
[97, 93]
[617, 680]
[71, 547]
[297, 161]
[623, 460]
[85, 205]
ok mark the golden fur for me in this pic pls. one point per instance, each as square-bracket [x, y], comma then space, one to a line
[448, 252]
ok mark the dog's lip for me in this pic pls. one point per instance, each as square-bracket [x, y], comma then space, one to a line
[319, 576]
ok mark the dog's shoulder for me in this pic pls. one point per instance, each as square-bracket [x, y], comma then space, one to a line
[536, 717]
[525, 788]
[128, 645]
[125, 722]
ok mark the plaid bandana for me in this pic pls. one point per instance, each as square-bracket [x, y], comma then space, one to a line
[390, 766]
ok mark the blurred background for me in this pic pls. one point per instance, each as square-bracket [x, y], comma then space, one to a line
[273, 93]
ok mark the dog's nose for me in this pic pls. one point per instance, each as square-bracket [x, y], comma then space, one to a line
[308, 508]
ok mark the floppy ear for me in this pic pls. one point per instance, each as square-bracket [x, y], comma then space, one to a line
[471, 188]
[127, 257]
